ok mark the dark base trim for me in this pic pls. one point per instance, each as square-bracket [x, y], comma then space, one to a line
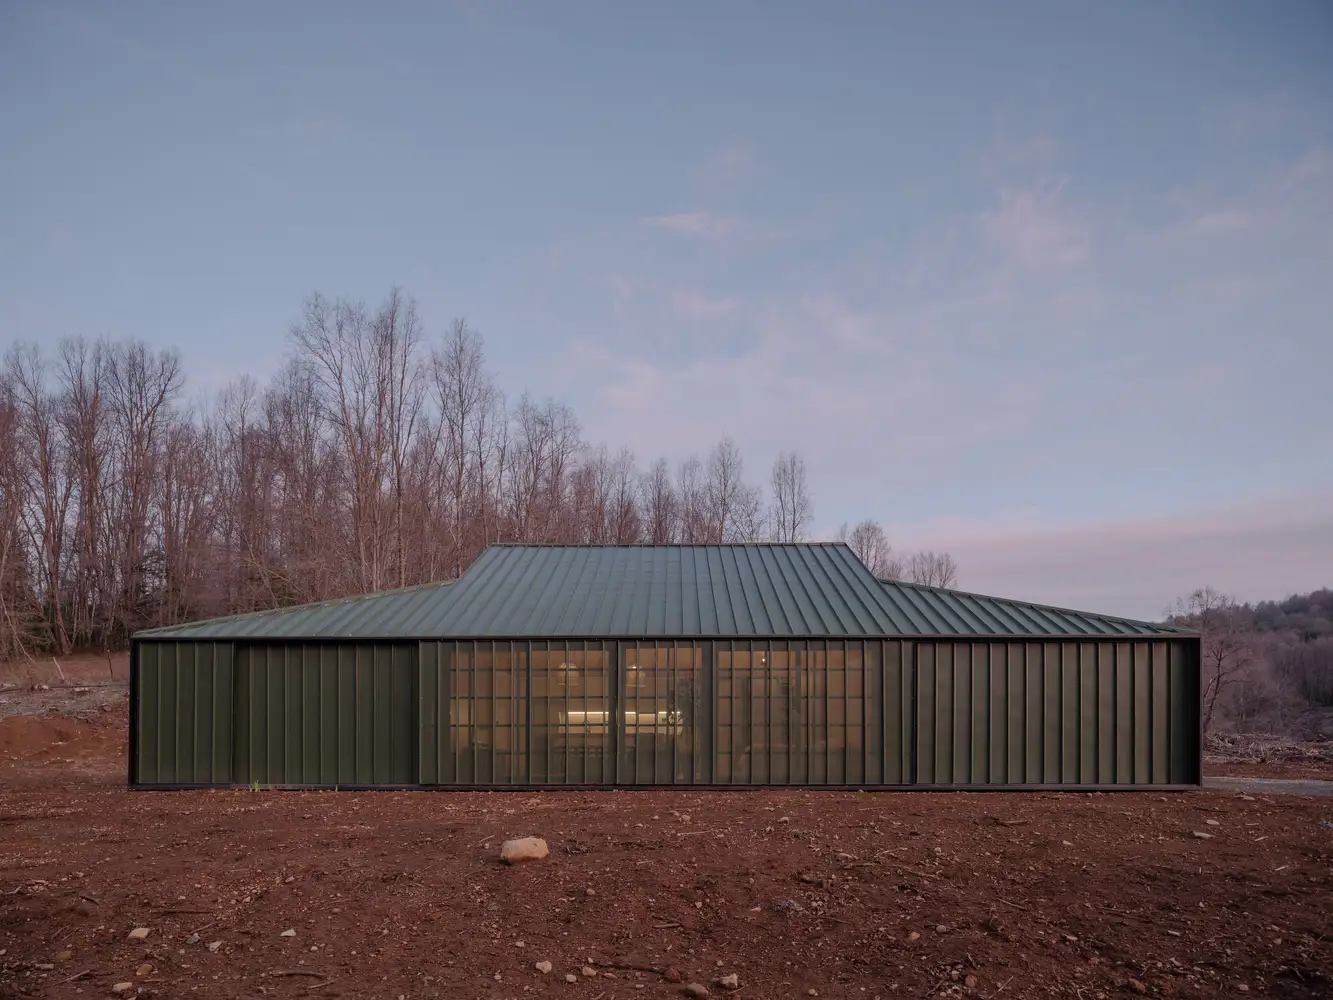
[656, 788]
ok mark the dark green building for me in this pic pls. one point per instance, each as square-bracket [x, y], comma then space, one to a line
[666, 665]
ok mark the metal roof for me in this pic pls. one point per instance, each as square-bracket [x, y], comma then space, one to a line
[955, 612]
[379, 614]
[663, 591]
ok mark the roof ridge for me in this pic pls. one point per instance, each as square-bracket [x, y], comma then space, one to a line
[1032, 604]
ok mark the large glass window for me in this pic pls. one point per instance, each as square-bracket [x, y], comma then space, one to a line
[573, 739]
[662, 701]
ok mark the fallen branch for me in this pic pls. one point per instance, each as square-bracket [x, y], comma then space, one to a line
[297, 972]
[1016, 906]
[91, 899]
[77, 975]
[667, 926]
[656, 970]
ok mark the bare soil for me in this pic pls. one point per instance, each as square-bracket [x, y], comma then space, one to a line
[394, 894]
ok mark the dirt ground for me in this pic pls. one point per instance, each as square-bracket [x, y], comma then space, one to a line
[858, 895]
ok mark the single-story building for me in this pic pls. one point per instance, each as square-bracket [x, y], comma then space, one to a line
[699, 665]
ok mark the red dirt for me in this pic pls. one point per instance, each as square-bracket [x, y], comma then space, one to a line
[399, 894]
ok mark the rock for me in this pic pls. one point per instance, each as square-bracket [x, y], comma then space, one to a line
[812, 992]
[784, 819]
[588, 971]
[543, 967]
[1242, 988]
[64, 956]
[1200, 835]
[941, 929]
[914, 936]
[213, 946]
[571, 978]
[143, 971]
[513, 852]
[694, 990]
[44, 966]
[139, 933]
[673, 975]
[730, 981]
[590, 892]
[1067, 843]
[193, 939]
[1174, 933]
[1247, 798]
[970, 981]
[122, 987]
[1212, 822]
[1137, 986]
[289, 932]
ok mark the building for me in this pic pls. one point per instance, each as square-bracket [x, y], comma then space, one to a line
[666, 665]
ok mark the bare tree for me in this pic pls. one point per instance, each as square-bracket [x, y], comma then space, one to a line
[791, 511]
[661, 510]
[1228, 643]
[871, 545]
[933, 569]
[692, 502]
[731, 509]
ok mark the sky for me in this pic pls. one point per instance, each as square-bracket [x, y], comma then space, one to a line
[1046, 285]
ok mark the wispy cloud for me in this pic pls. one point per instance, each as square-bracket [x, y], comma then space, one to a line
[706, 225]
[694, 304]
[731, 165]
[1257, 550]
[716, 229]
[1037, 229]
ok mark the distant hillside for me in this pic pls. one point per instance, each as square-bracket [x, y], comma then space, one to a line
[1304, 616]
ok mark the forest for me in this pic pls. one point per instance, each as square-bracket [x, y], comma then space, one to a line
[378, 456]
[1267, 667]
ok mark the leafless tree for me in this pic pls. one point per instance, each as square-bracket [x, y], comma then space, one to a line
[369, 459]
[1228, 642]
[871, 545]
[933, 569]
[792, 510]
[658, 502]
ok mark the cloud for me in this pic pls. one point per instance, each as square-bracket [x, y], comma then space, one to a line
[693, 304]
[1035, 229]
[730, 165]
[1257, 549]
[705, 225]
[715, 229]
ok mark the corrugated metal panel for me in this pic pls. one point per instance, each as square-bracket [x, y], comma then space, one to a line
[670, 591]
[182, 721]
[326, 714]
[1054, 713]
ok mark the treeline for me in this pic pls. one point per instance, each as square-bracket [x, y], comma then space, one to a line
[1267, 667]
[377, 457]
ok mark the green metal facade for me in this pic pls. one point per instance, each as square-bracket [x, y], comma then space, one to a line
[720, 665]
[860, 713]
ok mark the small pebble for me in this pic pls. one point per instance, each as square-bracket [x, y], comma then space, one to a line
[571, 978]
[289, 932]
[543, 967]
[139, 933]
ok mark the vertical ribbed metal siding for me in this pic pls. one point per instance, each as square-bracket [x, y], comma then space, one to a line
[326, 714]
[1054, 713]
[182, 732]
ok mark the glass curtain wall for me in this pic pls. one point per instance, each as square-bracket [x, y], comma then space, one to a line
[799, 713]
[661, 713]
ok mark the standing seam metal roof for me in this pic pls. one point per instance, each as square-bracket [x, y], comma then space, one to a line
[664, 591]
